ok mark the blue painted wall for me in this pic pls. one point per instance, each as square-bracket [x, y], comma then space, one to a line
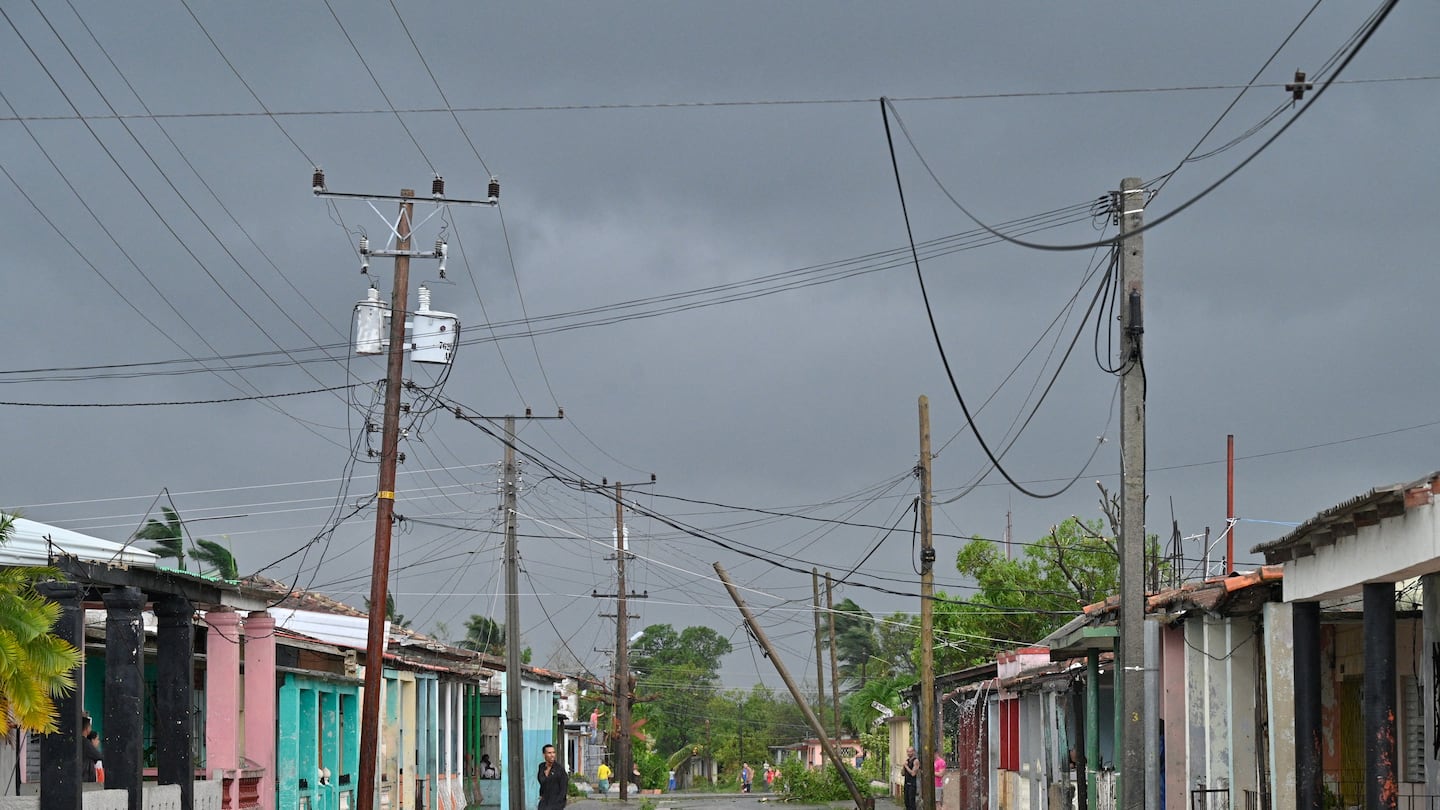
[537, 710]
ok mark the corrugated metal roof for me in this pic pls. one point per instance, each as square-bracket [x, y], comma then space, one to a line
[34, 543]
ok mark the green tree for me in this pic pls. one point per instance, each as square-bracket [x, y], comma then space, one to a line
[484, 634]
[855, 642]
[393, 615]
[217, 557]
[36, 666]
[896, 635]
[1021, 600]
[169, 536]
[675, 674]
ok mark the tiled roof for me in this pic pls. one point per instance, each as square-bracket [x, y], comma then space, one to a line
[1345, 518]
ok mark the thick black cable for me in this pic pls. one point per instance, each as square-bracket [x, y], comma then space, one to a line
[1202, 194]
[939, 344]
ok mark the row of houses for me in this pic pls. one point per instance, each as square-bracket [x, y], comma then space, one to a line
[1311, 682]
[246, 696]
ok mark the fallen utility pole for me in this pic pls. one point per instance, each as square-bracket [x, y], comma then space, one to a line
[862, 801]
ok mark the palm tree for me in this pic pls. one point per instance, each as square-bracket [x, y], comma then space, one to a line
[35, 665]
[169, 536]
[217, 557]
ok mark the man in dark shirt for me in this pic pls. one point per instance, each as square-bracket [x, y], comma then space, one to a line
[89, 752]
[554, 782]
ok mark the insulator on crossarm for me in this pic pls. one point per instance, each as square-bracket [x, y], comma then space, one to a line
[442, 252]
[437, 187]
[494, 189]
[317, 180]
[364, 246]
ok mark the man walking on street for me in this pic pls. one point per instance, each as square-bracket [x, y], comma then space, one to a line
[911, 772]
[554, 782]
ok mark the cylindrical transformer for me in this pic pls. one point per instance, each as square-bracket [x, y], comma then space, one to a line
[433, 334]
[370, 316]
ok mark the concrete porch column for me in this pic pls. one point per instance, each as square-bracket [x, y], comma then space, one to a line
[1381, 779]
[260, 689]
[60, 760]
[1308, 788]
[222, 696]
[175, 695]
[124, 742]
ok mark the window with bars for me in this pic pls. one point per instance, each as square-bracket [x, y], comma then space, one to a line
[1412, 730]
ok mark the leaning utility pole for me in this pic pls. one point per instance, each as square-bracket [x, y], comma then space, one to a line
[514, 721]
[435, 335]
[927, 618]
[862, 801]
[1130, 205]
[384, 516]
[834, 664]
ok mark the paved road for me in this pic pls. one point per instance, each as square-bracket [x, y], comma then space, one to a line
[713, 801]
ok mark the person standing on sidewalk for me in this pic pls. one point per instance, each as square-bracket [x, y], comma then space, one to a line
[554, 782]
[602, 775]
[911, 773]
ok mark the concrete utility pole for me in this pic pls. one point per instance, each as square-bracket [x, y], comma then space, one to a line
[1130, 664]
[384, 517]
[834, 664]
[622, 652]
[819, 645]
[862, 801]
[927, 618]
[514, 719]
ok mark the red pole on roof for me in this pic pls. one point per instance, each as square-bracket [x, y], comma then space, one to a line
[1230, 504]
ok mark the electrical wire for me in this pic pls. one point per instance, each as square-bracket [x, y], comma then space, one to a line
[1378, 20]
[940, 346]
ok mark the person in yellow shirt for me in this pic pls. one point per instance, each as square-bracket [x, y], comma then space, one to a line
[602, 776]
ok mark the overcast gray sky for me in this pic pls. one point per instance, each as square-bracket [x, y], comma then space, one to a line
[649, 150]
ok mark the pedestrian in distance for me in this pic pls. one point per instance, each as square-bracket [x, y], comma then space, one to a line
[89, 751]
[602, 777]
[487, 768]
[554, 782]
[911, 773]
[939, 778]
[746, 775]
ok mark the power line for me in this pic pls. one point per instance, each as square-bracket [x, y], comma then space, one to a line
[667, 105]
[1369, 31]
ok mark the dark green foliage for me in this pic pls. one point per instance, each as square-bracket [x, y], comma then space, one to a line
[1019, 601]
[675, 676]
[169, 536]
[797, 783]
[484, 634]
[217, 557]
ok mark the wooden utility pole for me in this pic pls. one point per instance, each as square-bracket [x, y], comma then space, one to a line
[819, 646]
[834, 664]
[927, 618]
[1130, 666]
[368, 782]
[384, 517]
[862, 801]
[622, 652]
[514, 719]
